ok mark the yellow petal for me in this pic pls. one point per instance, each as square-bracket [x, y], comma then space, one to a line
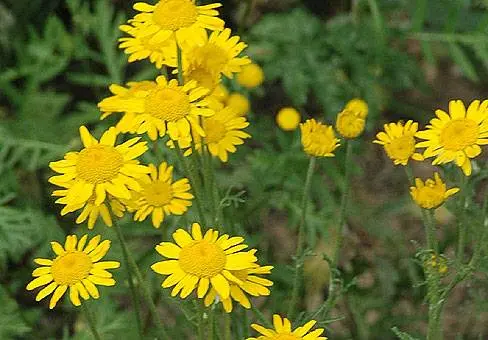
[58, 293]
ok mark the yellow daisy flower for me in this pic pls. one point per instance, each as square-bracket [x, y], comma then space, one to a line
[76, 267]
[318, 139]
[282, 331]
[160, 196]
[288, 118]
[251, 284]
[163, 108]
[140, 47]
[432, 193]
[91, 211]
[100, 168]
[251, 76]
[196, 262]
[457, 136]
[182, 20]
[220, 93]
[399, 142]
[359, 106]
[350, 124]
[239, 103]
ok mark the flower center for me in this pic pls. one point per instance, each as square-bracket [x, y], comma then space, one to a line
[401, 147]
[99, 163]
[286, 337]
[71, 268]
[202, 259]
[459, 134]
[203, 76]
[158, 193]
[167, 104]
[213, 55]
[175, 14]
[214, 130]
[431, 196]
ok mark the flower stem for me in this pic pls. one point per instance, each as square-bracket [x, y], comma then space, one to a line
[301, 239]
[91, 322]
[210, 334]
[227, 327]
[132, 266]
[461, 220]
[180, 65]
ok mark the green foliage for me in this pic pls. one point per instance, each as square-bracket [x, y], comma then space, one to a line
[12, 324]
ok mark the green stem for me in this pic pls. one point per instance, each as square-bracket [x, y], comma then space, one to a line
[429, 224]
[210, 333]
[180, 65]
[262, 319]
[132, 266]
[301, 239]
[461, 220]
[227, 327]
[199, 311]
[91, 322]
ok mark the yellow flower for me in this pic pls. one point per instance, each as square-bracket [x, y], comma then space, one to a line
[220, 93]
[318, 139]
[358, 106]
[182, 20]
[75, 267]
[288, 118]
[251, 76]
[217, 55]
[457, 136]
[282, 331]
[196, 262]
[139, 47]
[164, 107]
[399, 142]
[350, 124]
[431, 194]
[251, 284]
[100, 168]
[160, 196]
[239, 103]
[91, 211]
[437, 263]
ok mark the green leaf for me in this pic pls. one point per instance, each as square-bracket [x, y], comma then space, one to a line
[12, 325]
[459, 56]
[402, 335]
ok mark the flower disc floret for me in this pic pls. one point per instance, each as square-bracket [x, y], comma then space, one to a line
[457, 136]
[202, 262]
[399, 142]
[77, 267]
[318, 139]
[288, 118]
[350, 124]
[101, 168]
[251, 76]
[283, 331]
[432, 193]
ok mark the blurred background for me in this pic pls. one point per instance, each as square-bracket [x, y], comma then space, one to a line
[405, 58]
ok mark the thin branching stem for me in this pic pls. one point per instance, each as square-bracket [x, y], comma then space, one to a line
[91, 322]
[301, 239]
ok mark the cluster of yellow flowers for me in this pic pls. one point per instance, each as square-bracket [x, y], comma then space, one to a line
[450, 137]
[190, 108]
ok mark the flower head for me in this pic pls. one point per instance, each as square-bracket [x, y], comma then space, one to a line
[199, 261]
[399, 142]
[239, 103]
[100, 168]
[251, 76]
[139, 47]
[252, 284]
[77, 266]
[457, 136]
[217, 55]
[359, 106]
[163, 107]
[182, 20]
[160, 196]
[432, 193]
[350, 124]
[288, 118]
[220, 93]
[282, 331]
[318, 139]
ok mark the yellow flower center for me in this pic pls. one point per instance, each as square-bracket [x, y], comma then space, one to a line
[401, 148]
[168, 104]
[430, 196]
[286, 337]
[71, 268]
[213, 55]
[99, 163]
[203, 76]
[175, 14]
[349, 124]
[214, 129]
[158, 193]
[459, 133]
[202, 259]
